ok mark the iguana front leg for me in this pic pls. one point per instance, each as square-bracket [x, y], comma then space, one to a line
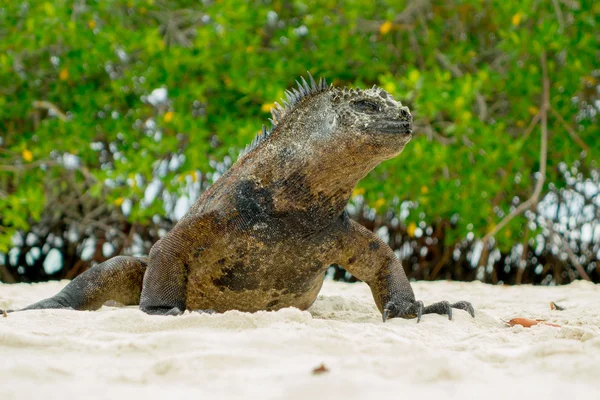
[371, 260]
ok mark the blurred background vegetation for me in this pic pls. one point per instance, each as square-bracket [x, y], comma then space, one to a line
[115, 115]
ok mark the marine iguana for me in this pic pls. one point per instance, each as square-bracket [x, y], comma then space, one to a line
[263, 235]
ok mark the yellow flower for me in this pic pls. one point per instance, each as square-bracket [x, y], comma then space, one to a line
[49, 8]
[413, 76]
[424, 189]
[459, 102]
[516, 19]
[27, 155]
[358, 192]
[411, 228]
[63, 75]
[168, 116]
[92, 24]
[379, 203]
[389, 87]
[267, 107]
[385, 27]
[465, 116]
[118, 201]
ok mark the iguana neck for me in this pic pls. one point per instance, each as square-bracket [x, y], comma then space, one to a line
[303, 179]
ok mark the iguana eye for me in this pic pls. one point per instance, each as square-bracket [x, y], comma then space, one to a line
[367, 106]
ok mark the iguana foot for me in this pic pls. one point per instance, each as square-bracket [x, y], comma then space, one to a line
[406, 309]
[403, 309]
[445, 308]
[162, 310]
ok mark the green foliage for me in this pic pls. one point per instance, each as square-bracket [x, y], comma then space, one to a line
[469, 70]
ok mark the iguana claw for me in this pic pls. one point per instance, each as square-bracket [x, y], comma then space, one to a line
[416, 309]
[163, 310]
[386, 312]
[419, 311]
[403, 309]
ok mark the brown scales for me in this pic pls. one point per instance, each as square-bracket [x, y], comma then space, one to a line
[263, 236]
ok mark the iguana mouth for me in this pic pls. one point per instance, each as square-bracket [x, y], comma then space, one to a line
[395, 127]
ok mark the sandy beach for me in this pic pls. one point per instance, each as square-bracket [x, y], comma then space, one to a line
[121, 353]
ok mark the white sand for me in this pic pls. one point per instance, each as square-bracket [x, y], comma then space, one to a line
[121, 353]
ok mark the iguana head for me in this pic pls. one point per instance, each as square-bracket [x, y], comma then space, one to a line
[331, 136]
[324, 121]
[378, 125]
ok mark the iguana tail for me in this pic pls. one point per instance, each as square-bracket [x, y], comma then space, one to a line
[119, 279]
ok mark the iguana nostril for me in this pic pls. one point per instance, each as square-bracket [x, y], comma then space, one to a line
[405, 114]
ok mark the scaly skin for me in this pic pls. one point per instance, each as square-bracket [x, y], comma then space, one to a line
[263, 236]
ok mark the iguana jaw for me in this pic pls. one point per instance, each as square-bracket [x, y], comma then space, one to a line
[393, 127]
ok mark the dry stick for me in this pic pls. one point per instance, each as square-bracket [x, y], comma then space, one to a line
[446, 63]
[98, 224]
[5, 275]
[533, 200]
[571, 131]
[521, 270]
[432, 134]
[573, 258]
[441, 263]
[412, 11]
[49, 106]
[415, 45]
[532, 124]
[559, 16]
[15, 168]
[483, 258]
[482, 106]
[567, 248]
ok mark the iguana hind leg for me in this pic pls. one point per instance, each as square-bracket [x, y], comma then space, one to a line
[370, 259]
[118, 279]
[165, 281]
